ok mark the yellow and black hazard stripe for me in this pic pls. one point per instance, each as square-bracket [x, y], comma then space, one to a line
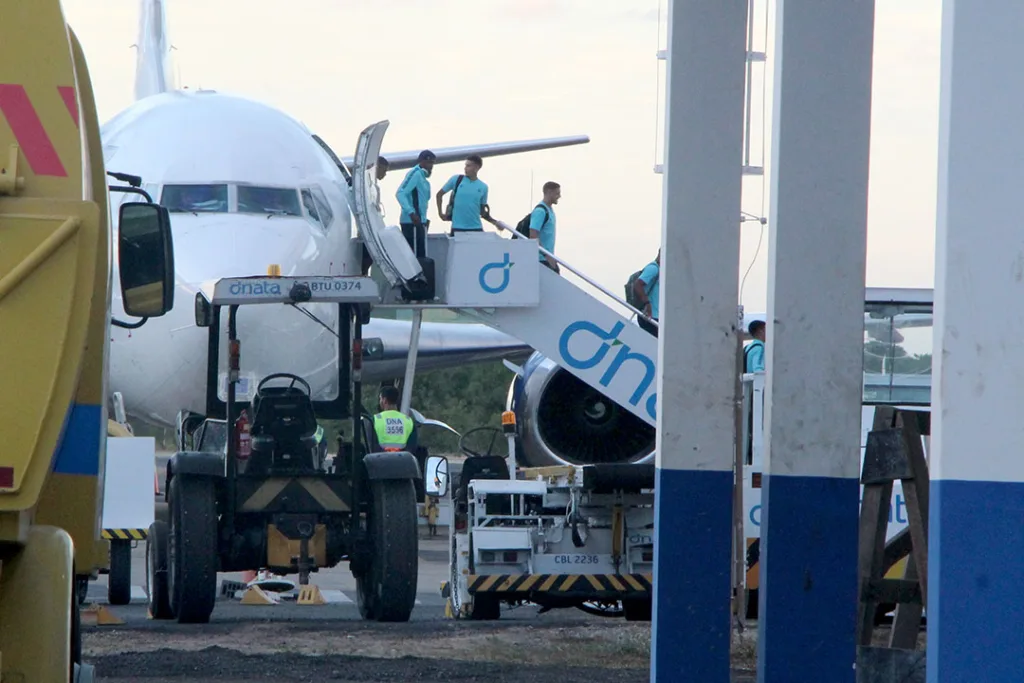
[561, 584]
[124, 534]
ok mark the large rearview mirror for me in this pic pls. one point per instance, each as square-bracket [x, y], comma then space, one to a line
[145, 259]
[204, 312]
[437, 475]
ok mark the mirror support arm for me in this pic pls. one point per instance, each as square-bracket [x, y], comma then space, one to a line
[128, 326]
[132, 190]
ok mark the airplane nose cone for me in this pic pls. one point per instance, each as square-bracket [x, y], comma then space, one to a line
[211, 247]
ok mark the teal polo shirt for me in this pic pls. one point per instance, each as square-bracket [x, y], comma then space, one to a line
[470, 197]
[647, 276]
[545, 229]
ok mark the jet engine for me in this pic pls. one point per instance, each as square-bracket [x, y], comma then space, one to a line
[565, 422]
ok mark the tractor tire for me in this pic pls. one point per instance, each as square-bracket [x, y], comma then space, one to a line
[119, 580]
[387, 592]
[158, 601]
[76, 630]
[193, 560]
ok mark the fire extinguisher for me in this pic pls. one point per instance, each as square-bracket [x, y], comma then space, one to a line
[243, 442]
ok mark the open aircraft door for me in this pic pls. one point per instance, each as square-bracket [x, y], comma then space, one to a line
[386, 244]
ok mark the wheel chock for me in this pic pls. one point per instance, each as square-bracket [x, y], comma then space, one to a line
[310, 595]
[99, 615]
[257, 596]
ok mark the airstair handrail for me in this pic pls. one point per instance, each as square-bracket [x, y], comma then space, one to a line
[501, 225]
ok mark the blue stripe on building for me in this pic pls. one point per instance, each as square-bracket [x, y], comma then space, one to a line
[78, 450]
[692, 576]
[807, 602]
[975, 580]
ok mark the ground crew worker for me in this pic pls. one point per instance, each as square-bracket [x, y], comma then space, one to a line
[394, 431]
[430, 511]
[468, 201]
[414, 197]
[382, 167]
[542, 222]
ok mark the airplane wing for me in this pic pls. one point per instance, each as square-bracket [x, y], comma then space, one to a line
[402, 160]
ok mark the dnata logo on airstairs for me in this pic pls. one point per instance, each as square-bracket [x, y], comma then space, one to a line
[505, 265]
[625, 353]
[255, 288]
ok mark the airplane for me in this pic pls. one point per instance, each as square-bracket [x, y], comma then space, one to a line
[249, 187]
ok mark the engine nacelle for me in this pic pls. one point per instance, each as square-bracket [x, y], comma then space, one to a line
[562, 421]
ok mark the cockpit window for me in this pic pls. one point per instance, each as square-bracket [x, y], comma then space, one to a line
[316, 204]
[323, 207]
[279, 200]
[195, 198]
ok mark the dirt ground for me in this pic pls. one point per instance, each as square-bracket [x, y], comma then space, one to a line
[346, 652]
[569, 650]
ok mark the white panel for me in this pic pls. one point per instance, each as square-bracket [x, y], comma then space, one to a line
[487, 270]
[817, 245]
[699, 281]
[979, 271]
[501, 539]
[129, 476]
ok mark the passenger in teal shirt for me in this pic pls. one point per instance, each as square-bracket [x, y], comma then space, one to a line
[542, 223]
[753, 355]
[414, 197]
[647, 288]
[470, 198]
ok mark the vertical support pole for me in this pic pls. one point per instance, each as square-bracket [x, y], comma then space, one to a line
[977, 474]
[410, 361]
[696, 368]
[809, 524]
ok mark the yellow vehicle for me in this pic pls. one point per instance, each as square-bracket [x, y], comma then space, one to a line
[55, 277]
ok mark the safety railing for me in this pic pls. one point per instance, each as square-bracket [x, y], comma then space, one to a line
[634, 312]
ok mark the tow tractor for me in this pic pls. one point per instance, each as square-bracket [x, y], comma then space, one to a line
[569, 536]
[270, 499]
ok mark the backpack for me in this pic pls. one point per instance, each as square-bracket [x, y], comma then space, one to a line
[451, 198]
[630, 294]
[523, 226]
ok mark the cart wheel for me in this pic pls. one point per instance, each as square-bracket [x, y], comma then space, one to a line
[485, 608]
[119, 580]
[159, 602]
[637, 610]
[192, 544]
[387, 592]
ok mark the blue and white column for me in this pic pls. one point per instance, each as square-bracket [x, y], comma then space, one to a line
[697, 365]
[814, 362]
[976, 525]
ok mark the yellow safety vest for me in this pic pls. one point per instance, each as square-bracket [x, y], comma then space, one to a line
[393, 430]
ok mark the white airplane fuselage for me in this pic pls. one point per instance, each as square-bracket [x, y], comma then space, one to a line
[235, 144]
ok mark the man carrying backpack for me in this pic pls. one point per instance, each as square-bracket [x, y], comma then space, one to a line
[468, 201]
[646, 294]
[753, 355]
[539, 224]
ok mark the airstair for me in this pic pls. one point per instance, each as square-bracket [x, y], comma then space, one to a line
[584, 328]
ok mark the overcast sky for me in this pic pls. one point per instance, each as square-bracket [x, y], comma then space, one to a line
[449, 72]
